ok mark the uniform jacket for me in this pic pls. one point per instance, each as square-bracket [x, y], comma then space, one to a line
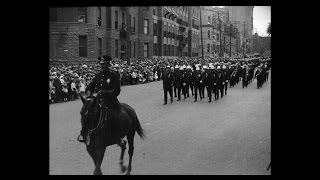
[109, 81]
[184, 78]
[167, 79]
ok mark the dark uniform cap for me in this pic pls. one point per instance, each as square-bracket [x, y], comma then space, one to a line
[104, 59]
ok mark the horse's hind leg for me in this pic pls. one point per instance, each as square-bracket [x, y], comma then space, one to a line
[98, 162]
[130, 138]
[123, 148]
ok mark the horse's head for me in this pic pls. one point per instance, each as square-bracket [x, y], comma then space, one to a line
[89, 110]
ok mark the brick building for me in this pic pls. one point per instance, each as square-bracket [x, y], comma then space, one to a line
[83, 33]
[242, 17]
[77, 34]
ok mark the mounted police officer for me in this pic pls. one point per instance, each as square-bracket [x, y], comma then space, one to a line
[107, 84]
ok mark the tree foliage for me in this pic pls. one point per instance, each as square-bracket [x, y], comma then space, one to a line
[269, 29]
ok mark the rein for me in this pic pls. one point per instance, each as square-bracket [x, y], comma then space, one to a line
[99, 126]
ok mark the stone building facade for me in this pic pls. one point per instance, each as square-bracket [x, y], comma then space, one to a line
[130, 33]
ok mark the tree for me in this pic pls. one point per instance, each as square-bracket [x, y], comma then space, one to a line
[269, 29]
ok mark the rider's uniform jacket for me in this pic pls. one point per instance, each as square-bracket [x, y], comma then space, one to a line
[109, 82]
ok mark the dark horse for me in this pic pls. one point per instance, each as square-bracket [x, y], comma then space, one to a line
[99, 136]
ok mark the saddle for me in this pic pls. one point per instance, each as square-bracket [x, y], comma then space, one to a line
[109, 123]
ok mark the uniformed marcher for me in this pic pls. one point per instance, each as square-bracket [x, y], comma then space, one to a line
[226, 73]
[244, 76]
[201, 83]
[220, 82]
[176, 79]
[215, 88]
[195, 79]
[184, 81]
[189, 80]
[209, 81]
[167, 78]
[258, 75]
[107, 84]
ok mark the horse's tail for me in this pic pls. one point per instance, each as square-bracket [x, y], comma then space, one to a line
[139, 129]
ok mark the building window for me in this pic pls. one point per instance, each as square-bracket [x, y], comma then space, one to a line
[164, 50]
[99, 16]
[116, 48]
[155, 39]
[100, 46]
[213, 48]
[116, 20]
[172, 50]
[208, 48]
[134, 24]
[145, 50]
[82, 15]
[208, 34]
[146, 26]
[155, 49]
[134, 49]
[209, 19]
[123, 18]
[53, 15]
[83, 46]
[155, 29]
[154, 10]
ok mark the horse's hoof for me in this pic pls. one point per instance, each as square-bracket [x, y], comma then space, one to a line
[128, 173]
[123, 169]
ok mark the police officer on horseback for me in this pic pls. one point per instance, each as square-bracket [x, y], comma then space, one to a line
[107, 84]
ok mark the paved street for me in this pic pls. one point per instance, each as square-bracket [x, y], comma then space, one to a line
[229, 136]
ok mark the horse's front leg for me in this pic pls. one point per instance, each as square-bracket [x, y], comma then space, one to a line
[99, 159]
[130, 152]
[122, 145]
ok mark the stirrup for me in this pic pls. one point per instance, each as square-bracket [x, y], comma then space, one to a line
[121, 142]
[80, 140]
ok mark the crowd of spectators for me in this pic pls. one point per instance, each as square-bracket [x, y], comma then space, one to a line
[66, 81]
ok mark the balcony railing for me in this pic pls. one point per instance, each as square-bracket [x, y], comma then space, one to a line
[123, 34]
[132, 30]
[179, 21]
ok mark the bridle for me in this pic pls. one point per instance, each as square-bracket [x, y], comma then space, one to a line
[99, 125]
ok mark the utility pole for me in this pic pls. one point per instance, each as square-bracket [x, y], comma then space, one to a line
[244, 37]
[219, 34]
[230, 40]
[201, 34]
[229, 30]
[236, 36]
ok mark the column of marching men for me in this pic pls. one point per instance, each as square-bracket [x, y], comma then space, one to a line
[183, 77]
[212, 78]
